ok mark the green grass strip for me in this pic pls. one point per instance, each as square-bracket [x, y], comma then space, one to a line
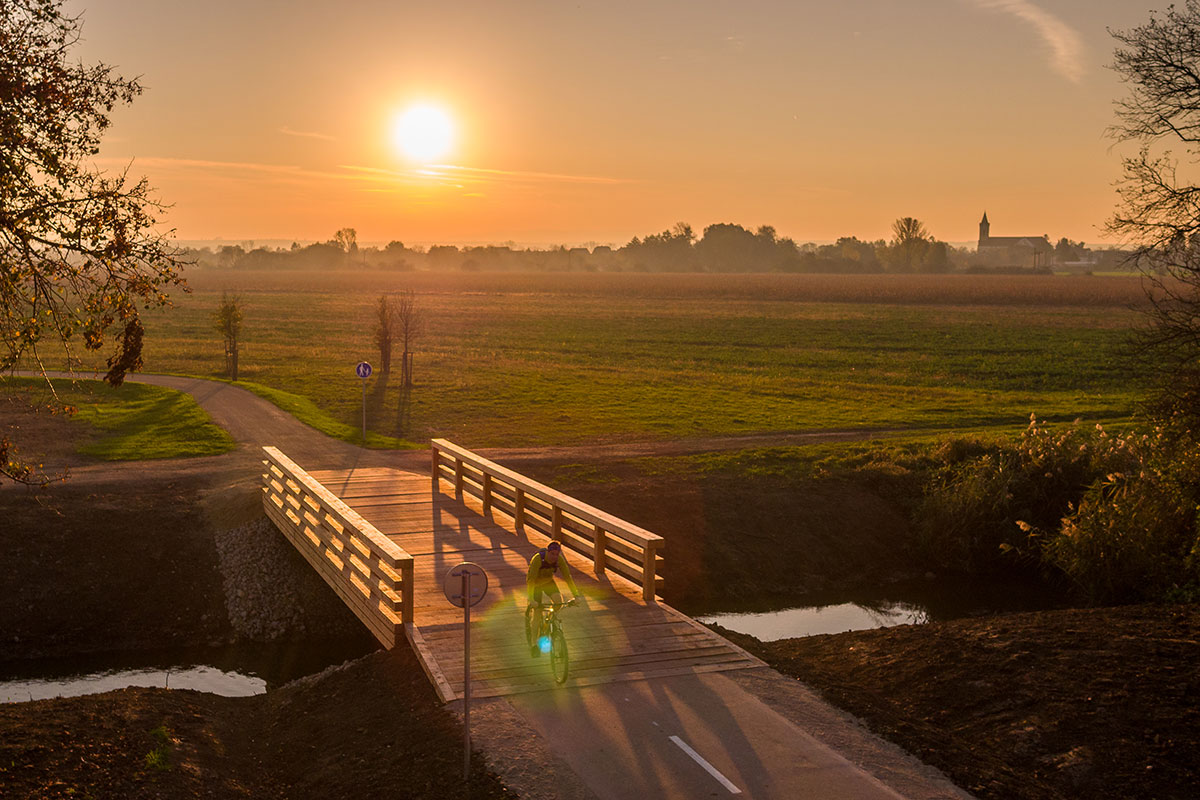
[135, 421]
[305, 410]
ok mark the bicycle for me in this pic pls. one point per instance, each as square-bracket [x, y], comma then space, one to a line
[545, 635]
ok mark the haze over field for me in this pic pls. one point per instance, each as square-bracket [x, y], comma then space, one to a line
[566, 123]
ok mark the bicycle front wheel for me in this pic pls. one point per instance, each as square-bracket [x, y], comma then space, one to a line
[530, 625]
[558, 655]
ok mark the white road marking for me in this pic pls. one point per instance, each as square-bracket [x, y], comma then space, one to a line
[709, 768]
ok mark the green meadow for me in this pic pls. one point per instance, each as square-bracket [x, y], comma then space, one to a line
[532, 359]
[132, 422]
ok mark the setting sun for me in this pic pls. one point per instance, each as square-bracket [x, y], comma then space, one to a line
[423, 132]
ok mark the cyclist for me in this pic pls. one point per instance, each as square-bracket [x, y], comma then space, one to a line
[540, 580]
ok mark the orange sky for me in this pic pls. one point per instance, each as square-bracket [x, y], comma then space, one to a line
[595, 122]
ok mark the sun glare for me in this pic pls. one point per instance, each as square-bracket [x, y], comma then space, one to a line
[423, 133]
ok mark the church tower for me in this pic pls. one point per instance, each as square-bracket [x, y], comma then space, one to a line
[984, 227]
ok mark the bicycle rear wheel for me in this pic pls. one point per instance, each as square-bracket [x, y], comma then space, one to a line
[558, 654]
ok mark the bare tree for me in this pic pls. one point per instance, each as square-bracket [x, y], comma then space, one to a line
[398, 320]
[384, 332]
[1158, 213]
[227, 320]
[410, 325]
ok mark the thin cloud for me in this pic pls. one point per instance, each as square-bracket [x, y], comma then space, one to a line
[1066, 45]
[372, 178]
[535, 177]
[155, 162]
[242, 171]
[481, 175]
[286, 131]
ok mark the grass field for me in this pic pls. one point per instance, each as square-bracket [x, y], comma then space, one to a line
[132, 422]
[527, 359]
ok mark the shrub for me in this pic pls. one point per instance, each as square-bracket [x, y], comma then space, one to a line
[1134, 533]
[1116, 514]
[969, 514]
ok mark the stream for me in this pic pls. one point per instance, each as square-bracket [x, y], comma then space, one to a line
[910, 603]
[237, 670]
[245, 669]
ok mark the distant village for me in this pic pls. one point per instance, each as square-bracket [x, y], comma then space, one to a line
[722, 247]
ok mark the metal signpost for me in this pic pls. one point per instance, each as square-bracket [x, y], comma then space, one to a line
[465, 585]
[363, 370]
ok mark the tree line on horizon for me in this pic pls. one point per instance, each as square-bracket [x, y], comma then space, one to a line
[722, 247]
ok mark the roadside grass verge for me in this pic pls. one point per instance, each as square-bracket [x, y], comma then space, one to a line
[305, 410]
[132, 422]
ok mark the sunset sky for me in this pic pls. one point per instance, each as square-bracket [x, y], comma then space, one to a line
[593, 122]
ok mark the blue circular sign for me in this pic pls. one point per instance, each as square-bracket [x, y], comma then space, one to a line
[363, 370]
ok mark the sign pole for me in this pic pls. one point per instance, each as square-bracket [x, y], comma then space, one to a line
[458, 590]
[466, 593]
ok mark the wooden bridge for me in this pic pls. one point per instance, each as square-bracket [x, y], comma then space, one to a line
[384, 539]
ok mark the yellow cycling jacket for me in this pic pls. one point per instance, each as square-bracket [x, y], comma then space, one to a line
[543, 575]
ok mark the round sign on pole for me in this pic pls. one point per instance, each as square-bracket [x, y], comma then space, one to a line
[363, 370]
[453, 584]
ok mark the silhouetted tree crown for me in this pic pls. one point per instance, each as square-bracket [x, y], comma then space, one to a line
[1158, 213]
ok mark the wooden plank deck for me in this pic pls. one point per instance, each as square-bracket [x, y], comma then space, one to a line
[615, 635]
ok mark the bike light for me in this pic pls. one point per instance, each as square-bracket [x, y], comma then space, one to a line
[544, 644]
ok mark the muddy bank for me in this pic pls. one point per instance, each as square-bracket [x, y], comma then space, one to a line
[177, 562]
[370, 727]
[1098, 703]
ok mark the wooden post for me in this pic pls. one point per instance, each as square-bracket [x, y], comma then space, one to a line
[519, 514]
[434, 471]
[648, 573]
[406, 591]
[556, 524]
[487, 492]
[598, 543]
[458, 476]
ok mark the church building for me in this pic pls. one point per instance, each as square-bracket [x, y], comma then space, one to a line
[1012, 251]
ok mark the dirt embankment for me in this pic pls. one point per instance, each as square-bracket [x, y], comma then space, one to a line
[1099, 703]
[372, 727]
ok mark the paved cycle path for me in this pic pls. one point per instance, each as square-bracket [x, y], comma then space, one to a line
[750, 733]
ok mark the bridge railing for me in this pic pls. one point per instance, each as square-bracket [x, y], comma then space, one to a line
[610, 543]
[368, 571]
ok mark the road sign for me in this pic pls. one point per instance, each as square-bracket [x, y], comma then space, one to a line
[476, 585]
[363, 370]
